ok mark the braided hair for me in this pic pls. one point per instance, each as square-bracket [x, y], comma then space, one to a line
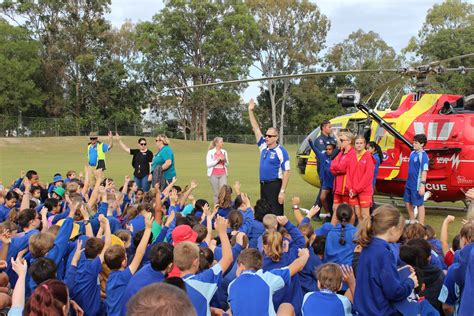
[343, 214]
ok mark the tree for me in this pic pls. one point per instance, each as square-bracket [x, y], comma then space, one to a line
[193, 42]
[448, 31]
[19, 64]
[292, 33]
[363, 50]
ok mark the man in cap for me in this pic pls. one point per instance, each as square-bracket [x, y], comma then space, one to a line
[96, 150]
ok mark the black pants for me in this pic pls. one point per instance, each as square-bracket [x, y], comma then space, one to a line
[270, 191]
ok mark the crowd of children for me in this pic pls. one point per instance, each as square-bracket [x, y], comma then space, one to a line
[85, 245]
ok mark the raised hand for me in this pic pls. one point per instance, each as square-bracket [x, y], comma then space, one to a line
[313, 211]
[295, 200]
[449, 219]
[20, 266]
[149, 221]
[251, 105]
[221, 225]
[194, 184]
[348, 274]
[117, 136]
[282, 220]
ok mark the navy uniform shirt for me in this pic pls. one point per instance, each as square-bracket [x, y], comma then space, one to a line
[273, 162]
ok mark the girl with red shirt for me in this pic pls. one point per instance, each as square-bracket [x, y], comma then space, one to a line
[361, 189]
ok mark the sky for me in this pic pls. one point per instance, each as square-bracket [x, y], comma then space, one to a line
[395, 21]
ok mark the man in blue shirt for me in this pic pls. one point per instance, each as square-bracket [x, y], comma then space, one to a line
[415, 186]
[274, 165]
[96, 150]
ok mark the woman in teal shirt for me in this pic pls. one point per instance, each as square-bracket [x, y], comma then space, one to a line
[164, 158]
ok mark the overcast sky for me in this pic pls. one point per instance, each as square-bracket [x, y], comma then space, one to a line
[395, 21]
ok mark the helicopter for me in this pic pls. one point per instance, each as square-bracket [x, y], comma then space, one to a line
[446, 119]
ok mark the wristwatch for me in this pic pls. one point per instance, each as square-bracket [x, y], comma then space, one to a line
[423, 182]
[282, 191]
[86, 222]
[296, 206]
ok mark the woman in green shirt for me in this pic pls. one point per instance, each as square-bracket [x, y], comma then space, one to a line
[164, 158]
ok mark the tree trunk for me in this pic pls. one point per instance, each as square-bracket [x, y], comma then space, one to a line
[204, 115]
[282, 112]
[272, 92]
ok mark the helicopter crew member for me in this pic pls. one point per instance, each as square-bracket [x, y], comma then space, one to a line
[415, 186]
[342, 168]
[274, 165]
[320, 144]
[96, 150]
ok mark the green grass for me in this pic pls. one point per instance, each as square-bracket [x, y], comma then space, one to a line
[51, 155]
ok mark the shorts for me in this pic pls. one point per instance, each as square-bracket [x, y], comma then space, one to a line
[339, 198]
[100, 164]
[413, 197]
[363, 201]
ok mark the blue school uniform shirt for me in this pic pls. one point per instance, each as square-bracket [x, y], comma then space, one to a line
[138, 223]
[17, 244]
[308, 280]
[334, 251]
[436, 245]
[145, 276]
[223, 212]
[115, 289]
[323, 230]
[325, 302]
[292, 293]
[87, 289]
[201, 288]
[58, 251]
[251, 293]
[256, 231]
[323, 166]
[378, 282]
[463, 260]
[273, 162]
[451, 292]
[467, 303]
[4, 212]
[417, 164]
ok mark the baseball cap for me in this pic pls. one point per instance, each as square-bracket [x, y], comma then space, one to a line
[183, 233]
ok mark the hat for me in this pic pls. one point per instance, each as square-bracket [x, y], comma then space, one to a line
[93, 135]
[75, 228]
[59, 191]
[57, 178]
[183, 233]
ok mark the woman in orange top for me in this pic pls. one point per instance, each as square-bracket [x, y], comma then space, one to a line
[362, 190]
[341, 167]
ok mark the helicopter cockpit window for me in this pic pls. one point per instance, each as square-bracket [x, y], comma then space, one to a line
[447, 109]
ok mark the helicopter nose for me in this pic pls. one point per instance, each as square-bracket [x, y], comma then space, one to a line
[302, 156]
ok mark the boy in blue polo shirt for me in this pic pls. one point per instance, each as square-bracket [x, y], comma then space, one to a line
[415, 187]
[116, 260]
[326, 301]
[201, 287]
[252, 291]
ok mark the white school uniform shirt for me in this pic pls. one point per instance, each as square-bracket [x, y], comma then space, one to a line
[211, 162]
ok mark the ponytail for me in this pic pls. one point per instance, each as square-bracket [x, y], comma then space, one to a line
[384, 217]
[49, 298]
[214, 142]
[377, 148]
[343, 214]
[273, 245]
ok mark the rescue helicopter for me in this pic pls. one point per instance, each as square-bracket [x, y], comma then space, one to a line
[446, 119]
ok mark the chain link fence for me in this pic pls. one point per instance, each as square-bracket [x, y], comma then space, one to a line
[54, 127]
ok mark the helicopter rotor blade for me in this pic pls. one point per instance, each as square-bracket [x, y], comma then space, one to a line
[303, 75]
[389, 84]
[450, 59]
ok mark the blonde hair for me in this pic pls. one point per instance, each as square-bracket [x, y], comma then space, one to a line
[348, 134]
[184, 255]
[329, 276]
[163, 138]
[360, 137]
[214, 142]
[40, 243]
[270, 222]
[273, 245]
[384, 217]
[467, 231]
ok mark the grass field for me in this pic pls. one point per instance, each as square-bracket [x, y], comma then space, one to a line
[51, 155]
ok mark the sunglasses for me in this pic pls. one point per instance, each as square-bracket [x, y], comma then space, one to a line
[270, 136]
[93, 138]
[143, 144]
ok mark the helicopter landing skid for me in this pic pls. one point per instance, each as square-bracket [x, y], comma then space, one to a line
[398, 202]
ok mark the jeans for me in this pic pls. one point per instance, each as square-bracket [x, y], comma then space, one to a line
[143, 183]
